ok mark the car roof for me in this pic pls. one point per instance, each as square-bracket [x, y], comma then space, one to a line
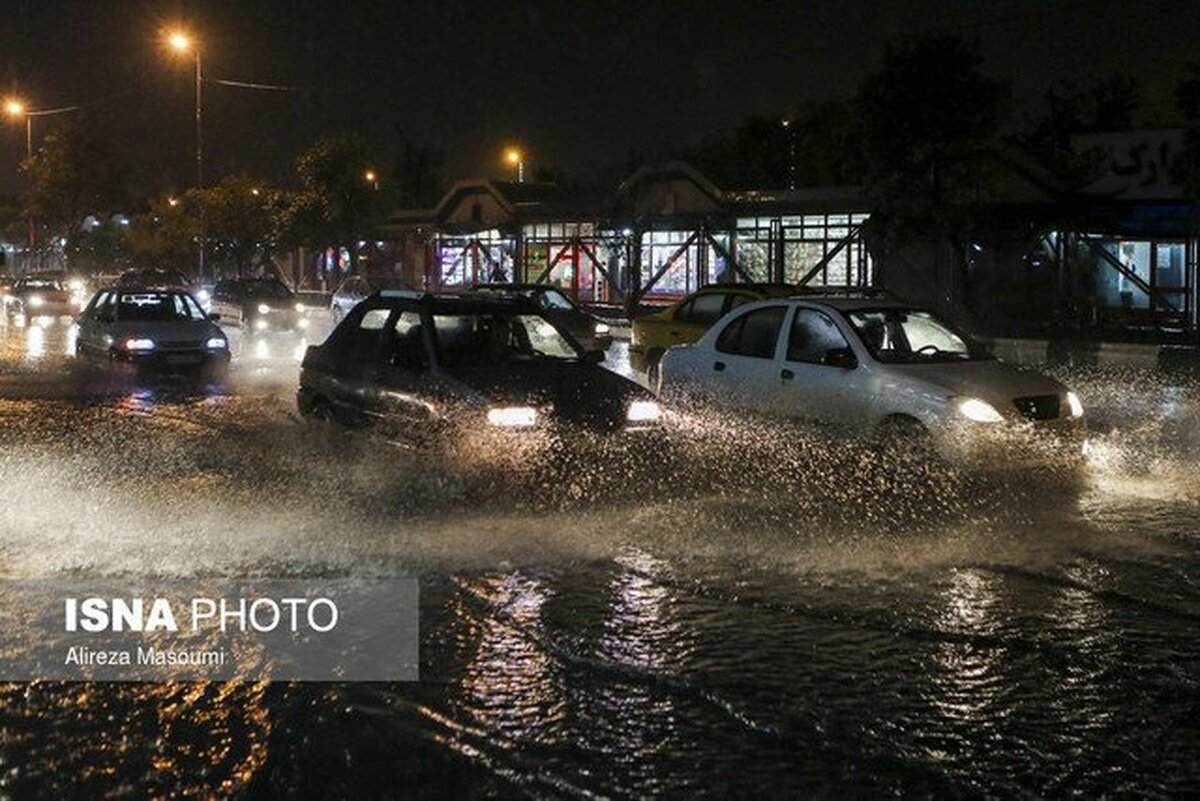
[767, 290]
[482, 303]
[526, 287]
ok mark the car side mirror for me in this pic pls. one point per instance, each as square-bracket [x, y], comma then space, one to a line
[593, 356]
[214, 317]
[840, 357]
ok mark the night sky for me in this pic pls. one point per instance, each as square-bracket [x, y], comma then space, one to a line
[578, 84]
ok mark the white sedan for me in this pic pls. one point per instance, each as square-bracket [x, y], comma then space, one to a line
[875, 367]
[151, 328]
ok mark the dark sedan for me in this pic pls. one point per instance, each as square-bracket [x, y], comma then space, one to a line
[587, 329]
[481, 366]
[259, 305]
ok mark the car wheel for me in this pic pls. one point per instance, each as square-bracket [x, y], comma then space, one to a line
[321, 411]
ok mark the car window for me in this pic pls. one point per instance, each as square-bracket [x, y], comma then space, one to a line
[703, 309]
[553, 299]
[904, 336]
[360, 339]
[485, 340]
[737, 300]
[160, 307]
[753, 334]
[408, 345]
[812, 334]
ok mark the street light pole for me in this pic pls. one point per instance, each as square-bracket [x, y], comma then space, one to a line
[182, 42]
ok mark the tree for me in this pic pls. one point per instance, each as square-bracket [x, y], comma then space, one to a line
[165, 236]
[925, 117]
[335, 205]
[416, 175]
[72, 175]
[238, 220]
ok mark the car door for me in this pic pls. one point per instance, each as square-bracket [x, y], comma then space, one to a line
[817, 372]
[86, 334]
[743, 369]
[353, 374]
[400, 377]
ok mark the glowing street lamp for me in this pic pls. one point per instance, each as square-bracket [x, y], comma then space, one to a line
[371, 177]
[183, 43]
[15, 108]
[517, 159]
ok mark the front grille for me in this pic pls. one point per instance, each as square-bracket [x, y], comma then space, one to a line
[179, 344]
[1039, 407]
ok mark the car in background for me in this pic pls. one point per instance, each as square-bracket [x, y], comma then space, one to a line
[687, 320]
[151, 328]
[587, 329]
[259, 305]
[41, 295]
[354, 289]
[466, 367]
[877, 367]
[164, 279]
[7, 279]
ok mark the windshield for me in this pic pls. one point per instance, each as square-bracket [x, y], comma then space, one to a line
[157, 307]
[267, 289]
[483, 340]
[553, 299]
[903, 336]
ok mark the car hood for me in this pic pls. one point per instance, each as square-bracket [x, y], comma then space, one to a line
[993, 381]
[194, 331]
[280, 304]
[578, 392]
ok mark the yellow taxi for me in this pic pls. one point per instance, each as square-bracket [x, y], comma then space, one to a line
[686, 321]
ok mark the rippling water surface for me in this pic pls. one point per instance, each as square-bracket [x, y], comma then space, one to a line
[762, 611]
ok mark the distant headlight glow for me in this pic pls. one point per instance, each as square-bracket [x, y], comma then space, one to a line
[203, 296]
[602, 329]
[216, 343]
[263, 308]
[260, 325]
[300, 307]
[35, 301]
[139, 344]
[1075, 404]
[979, 411]
[512, 416]
[643, 411]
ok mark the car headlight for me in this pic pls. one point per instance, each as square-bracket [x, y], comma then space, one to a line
[302, 323]
[216, 343]
[35, 301]
[1075, 404]
[75, 285]
[139, 344]
[263, 308]
[602, 329]
[300, 307]
[979, 411]
[643, 411]
[512, 416]
[260, 325]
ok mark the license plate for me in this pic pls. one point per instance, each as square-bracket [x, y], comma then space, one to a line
[183, 358]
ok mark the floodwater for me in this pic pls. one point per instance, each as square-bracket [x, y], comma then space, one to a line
[762, 613]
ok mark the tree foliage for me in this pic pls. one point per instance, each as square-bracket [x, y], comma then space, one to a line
[73, 175]
[925, 117]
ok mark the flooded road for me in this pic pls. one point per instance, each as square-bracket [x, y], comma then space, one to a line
[767, 613]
